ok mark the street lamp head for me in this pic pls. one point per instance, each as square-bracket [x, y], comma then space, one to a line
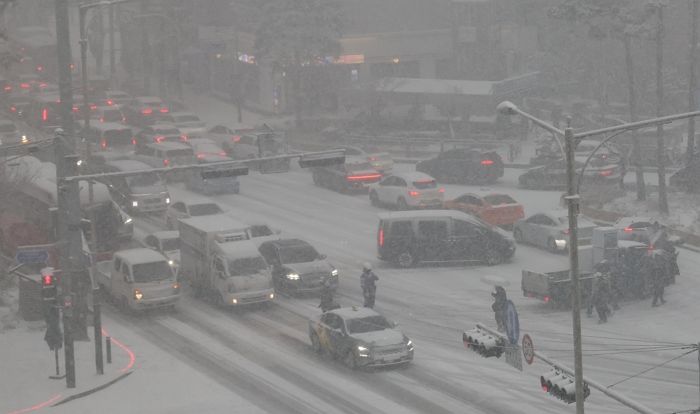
[507, 108]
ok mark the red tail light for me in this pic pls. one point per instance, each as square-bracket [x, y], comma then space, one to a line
[184, 138]
[441, 190]
[44, 114]
[486, 162]
[103, 143]
[566, 231]
[200, 156]
[7, 88]
[146, 111]
[159, 138]
[363, 177]
[373, 158]
[164, 110]
[606, 173]
[110, 102]
[628, 230]
[235, 138]
[13, 109]
[222, 153]
[166, 162]
[76, 109]
[24, 85]
[102, 119]
[124, 119]
[414, 193]
[380, 237]
[93, 107]
[39, 68]
[133, 141]
[546, 299]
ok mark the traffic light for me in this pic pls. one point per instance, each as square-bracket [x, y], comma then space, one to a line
[49, 286]
[562, 386]
[486, 344]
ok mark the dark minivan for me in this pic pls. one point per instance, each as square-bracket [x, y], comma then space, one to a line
[407, 238]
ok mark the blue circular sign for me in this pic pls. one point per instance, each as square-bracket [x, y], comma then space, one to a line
[512, 323]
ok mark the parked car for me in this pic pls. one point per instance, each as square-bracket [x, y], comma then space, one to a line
[553, 176]
[191, 208]
[225, 136]
[354, 175]
[380, 161]
[108, 114]
[144, 110]
[440, 236]
[360, 337]
[407, 190]
[189, 124]
[550, 230]
[464, 166]
[204, 147]
[496, 209]
[167, 243]
[158, 133]
[296, 266]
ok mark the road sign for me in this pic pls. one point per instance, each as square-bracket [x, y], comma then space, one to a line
[512, 323]
[513, 356]
[32, 256]
[528, 349]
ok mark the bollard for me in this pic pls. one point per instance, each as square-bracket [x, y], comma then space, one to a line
[108, 345]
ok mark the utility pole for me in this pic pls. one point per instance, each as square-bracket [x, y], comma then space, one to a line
[690, 153]
[145, 51]
[632, 98]
[660, 145]
[112, 62]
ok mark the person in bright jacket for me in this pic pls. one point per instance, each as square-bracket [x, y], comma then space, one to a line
[368, 284]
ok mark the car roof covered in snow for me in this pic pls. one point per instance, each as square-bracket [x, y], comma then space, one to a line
[240, 249]
[283, 243]
[354, 312]
[216, 222]
[140, 255]
[166, 234]
[424, 214]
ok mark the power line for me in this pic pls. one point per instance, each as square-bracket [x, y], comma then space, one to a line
[653, 367]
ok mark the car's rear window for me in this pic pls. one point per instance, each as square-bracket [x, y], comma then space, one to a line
[424, 184]
[204, 209]
[367, 324]
[180, 153]
[498, 199]
[112, 116]
[171, 131]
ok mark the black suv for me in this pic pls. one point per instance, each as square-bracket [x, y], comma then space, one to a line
[354, 175]
[407, 238]
[464, 166]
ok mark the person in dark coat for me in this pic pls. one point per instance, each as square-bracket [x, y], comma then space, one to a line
[368, 284]
[327, 301]
[601, 298]
[500, 301]
[658, 282]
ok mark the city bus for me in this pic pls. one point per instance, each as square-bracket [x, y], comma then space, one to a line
[29, 211]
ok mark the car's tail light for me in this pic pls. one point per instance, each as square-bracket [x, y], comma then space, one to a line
[159, 138]
[166, 162]
[109, 102]
[606, 173]
[164, 110]
[222, 153]
[235, 138]
[102, 119]
[103, 143]
[24, 85]
[628, 230]
[43, 85]
[133, 140]
[365, 177]
[124, 119]
[414, 193]
[7, 88]
[441, 190]
[39, 68]
[13, 108]
[200, 156]
[380, 237]
[44, 114]
[146, 111]
[546, 299]
[76, 109]
[486, 162]
[373, 158]
[566, 231]
[184, 138]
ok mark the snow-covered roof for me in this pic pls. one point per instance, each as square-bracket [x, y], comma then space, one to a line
[424, 214]
[107, 126]
[240, 249]
[140, 255]
[414, 176]
[435, 86]
[166, 234]
[355, 312]
[217, 222]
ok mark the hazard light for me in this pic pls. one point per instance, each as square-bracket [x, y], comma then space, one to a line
[628, 230]
[606, 173]
[164, 110]
[486, 162]
[380, 236]
[146, 111]
[414, 193]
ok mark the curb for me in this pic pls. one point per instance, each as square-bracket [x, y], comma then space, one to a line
[92, 390]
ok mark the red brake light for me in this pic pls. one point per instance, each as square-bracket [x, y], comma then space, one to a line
[166, 162]
[184, 138]
[414, 193]
[546, 299]
[486, 162]
[441, 190]
[363, 177]
[200, 156]
[146, 111]
[606, 173]
[24, 85]
[124, 119]
[235, 138]
[381, 236]
[373, 158]
[39, 68]
[42, 85]
[159, 138]
[103, 143]
[133, 141]
[164, 110]
[93, 107]
[110, 102]
[222, 153]
[13, 109]
[628, 230]
[7, 88]
[102, 119]
[44, 114]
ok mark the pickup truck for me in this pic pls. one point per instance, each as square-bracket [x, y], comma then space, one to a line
[138, 279]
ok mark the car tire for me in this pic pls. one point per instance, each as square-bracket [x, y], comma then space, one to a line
[493, 258]
[518, 236]
[405, 259]
[374, 198]
[350, 360]
[552, 245]
[401, 204]
[316, 343]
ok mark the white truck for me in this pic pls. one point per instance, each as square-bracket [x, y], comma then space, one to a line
[221, 263]
[139, 279]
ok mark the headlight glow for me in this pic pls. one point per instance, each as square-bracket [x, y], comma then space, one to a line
[362, 351]
[561, 244]
[128, 220]
[409, 345]
[138, 295]
[167, 200]
[272, 295]
[334, 272]
[134, 203]
[171, 262]
[293, 276]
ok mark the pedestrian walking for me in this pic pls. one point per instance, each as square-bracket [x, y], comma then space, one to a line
[368, 284]
[601, 297]
[500, 300]
[658, 283]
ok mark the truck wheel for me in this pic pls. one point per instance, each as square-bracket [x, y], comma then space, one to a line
[493, 258]
[350, 360]
[405, 259]
[374, 198]
[315, 343]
